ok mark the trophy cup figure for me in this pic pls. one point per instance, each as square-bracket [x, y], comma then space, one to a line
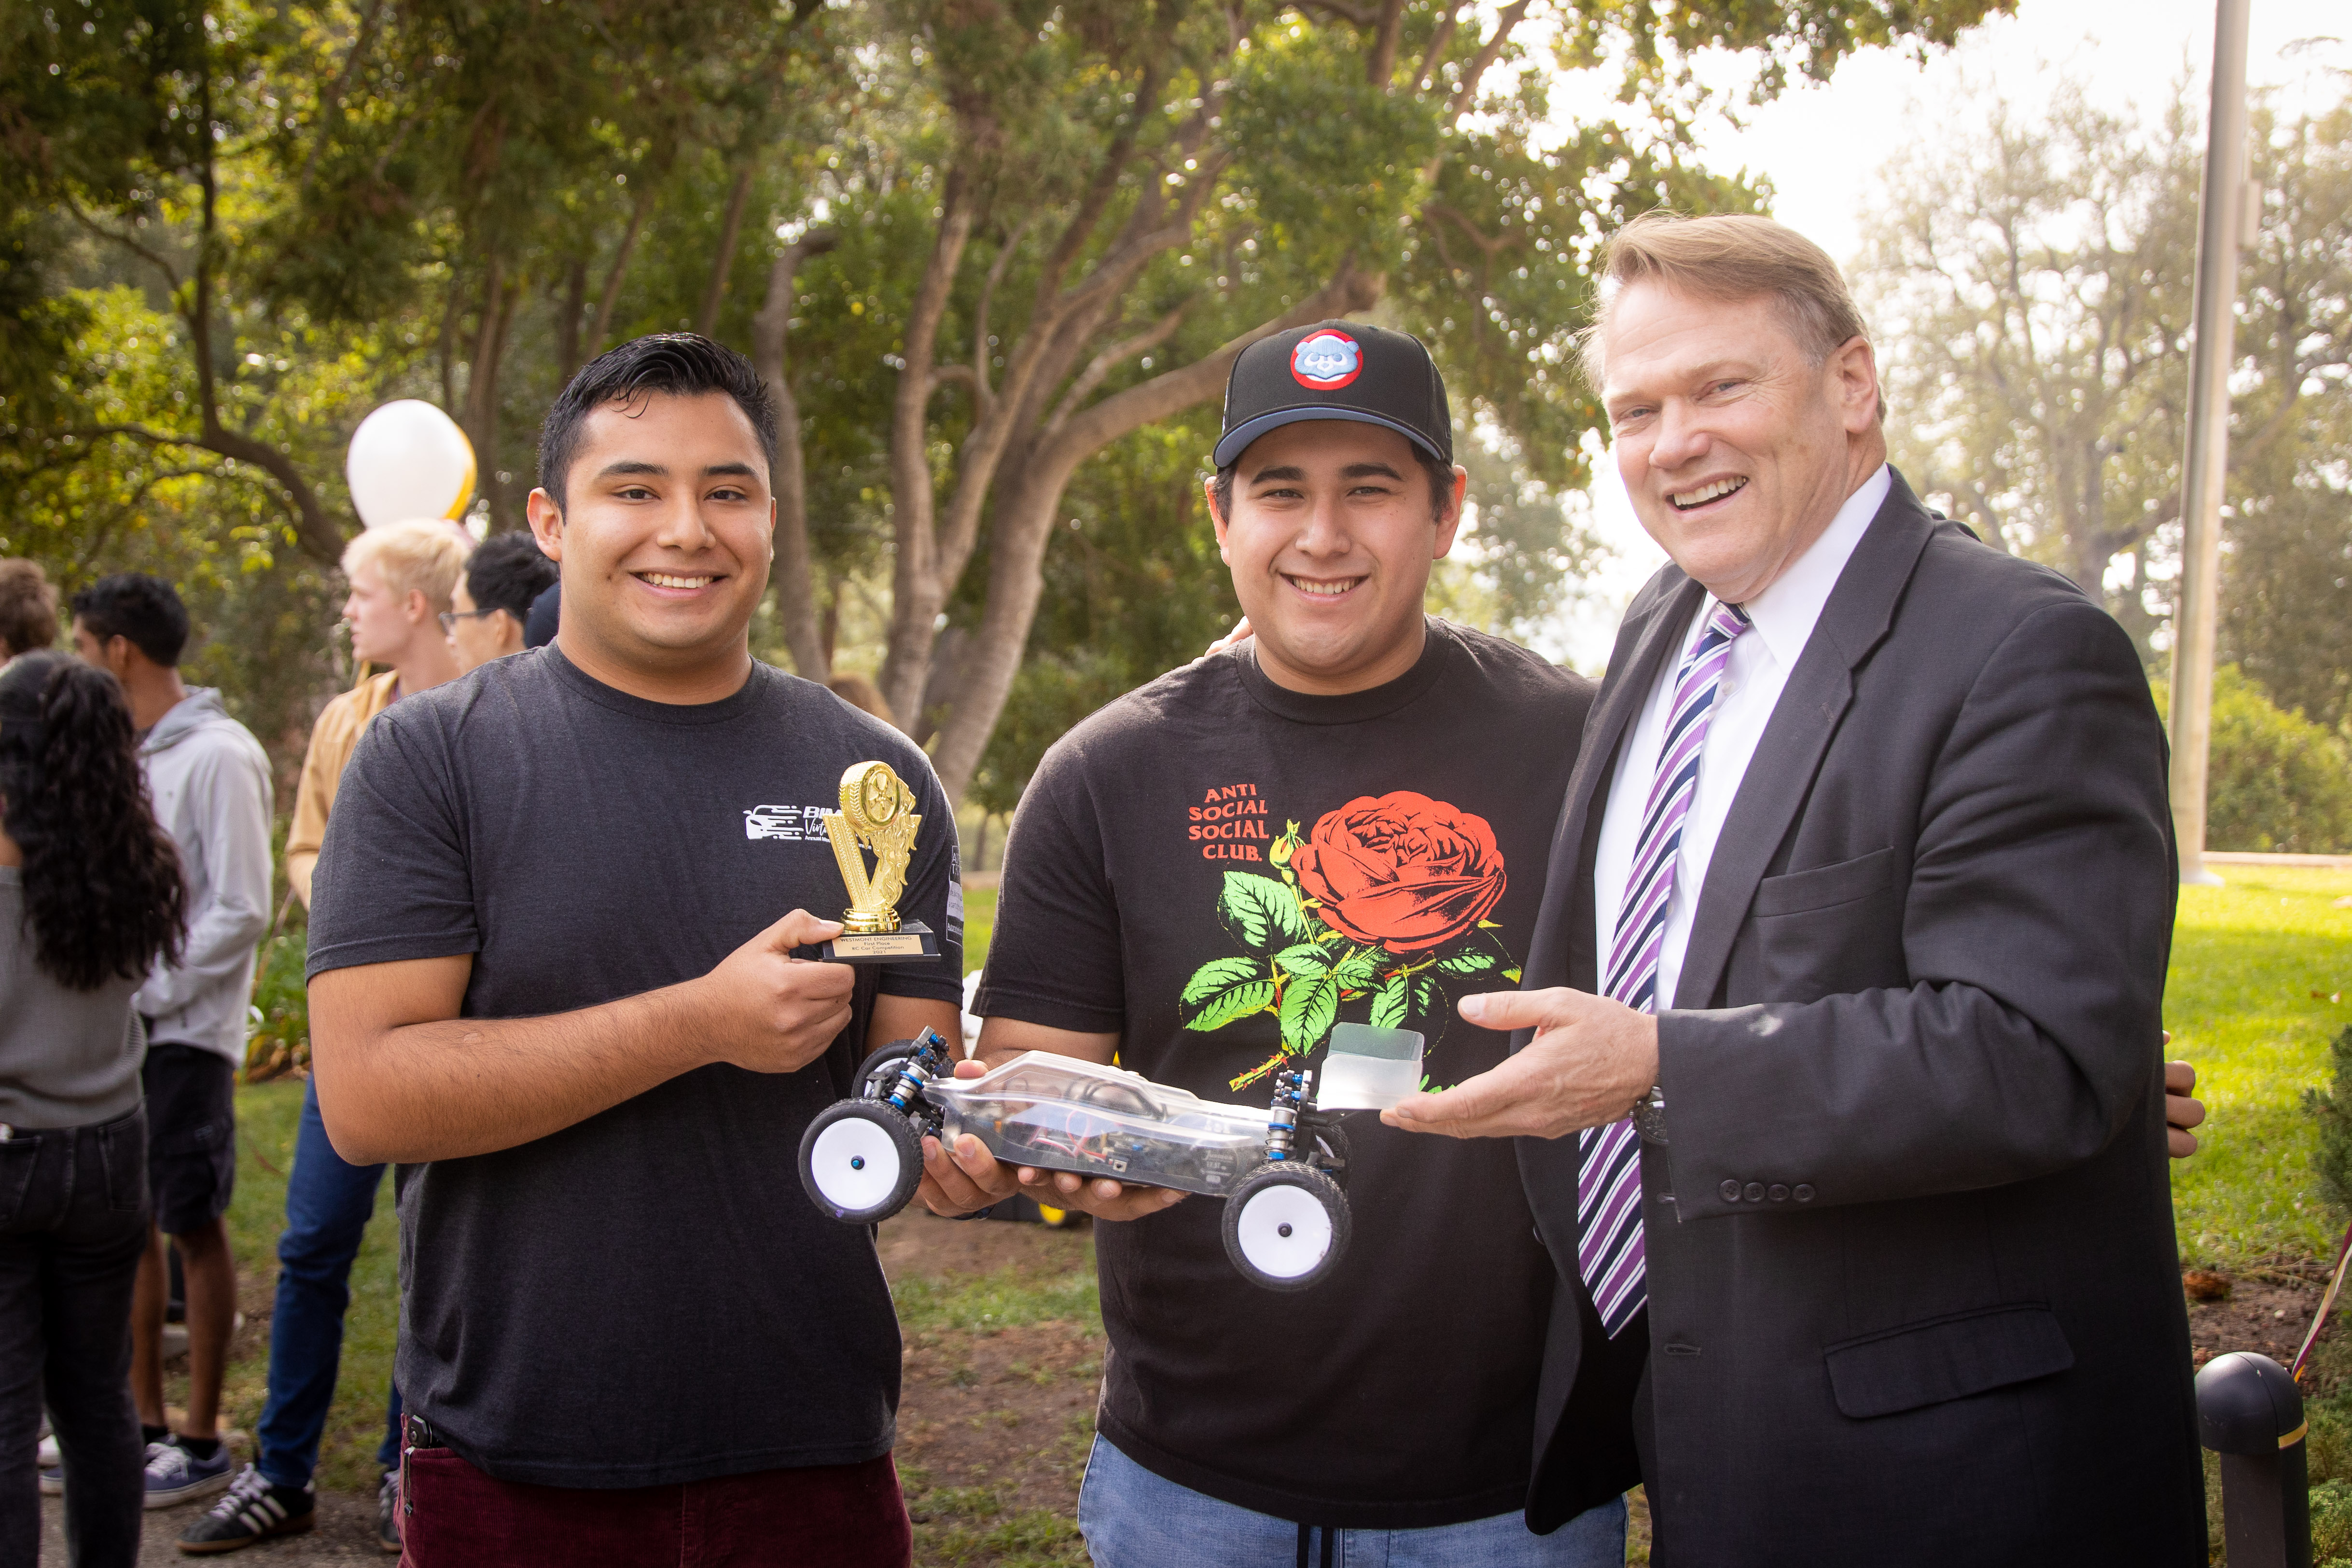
[878, 811]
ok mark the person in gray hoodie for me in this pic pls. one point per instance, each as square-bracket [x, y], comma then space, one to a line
[210, 782]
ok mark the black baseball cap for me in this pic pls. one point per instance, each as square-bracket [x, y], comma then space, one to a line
[1336, 369]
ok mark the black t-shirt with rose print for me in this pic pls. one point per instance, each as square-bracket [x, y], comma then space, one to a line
[1219, 870]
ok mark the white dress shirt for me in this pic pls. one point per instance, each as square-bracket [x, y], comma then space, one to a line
[1783, 616]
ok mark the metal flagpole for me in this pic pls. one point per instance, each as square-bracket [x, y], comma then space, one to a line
[2220, 221]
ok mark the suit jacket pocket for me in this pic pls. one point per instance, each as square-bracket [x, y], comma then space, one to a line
[1825, 886]
[1946, 1358]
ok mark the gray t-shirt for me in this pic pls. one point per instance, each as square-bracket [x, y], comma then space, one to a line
[646, 1297]
[68, 1058]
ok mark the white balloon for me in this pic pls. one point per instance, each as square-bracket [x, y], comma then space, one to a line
[409, 460]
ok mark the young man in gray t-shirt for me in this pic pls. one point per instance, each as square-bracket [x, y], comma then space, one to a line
[552, 976]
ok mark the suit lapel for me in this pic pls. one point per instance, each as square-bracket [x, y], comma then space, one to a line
[1780, 775]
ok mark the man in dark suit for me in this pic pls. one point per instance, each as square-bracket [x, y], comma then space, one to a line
[1850, 982]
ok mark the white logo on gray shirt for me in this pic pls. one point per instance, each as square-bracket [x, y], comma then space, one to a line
[795, 824]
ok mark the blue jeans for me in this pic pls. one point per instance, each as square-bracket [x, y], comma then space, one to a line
[1134, 1519]
[328, 1202]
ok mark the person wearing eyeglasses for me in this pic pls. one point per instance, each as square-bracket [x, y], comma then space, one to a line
[505, 574]
[401, 578]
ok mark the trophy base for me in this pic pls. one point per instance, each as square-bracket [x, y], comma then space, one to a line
[912, 940]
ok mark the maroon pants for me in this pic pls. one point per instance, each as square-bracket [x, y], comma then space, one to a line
[827, 1515]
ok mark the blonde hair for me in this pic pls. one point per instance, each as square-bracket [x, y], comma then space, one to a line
[1726, 258]
[420, 557]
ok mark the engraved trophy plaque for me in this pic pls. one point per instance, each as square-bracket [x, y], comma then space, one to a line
[877, 812]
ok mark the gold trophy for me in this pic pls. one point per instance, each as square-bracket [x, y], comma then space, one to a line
[878, 811]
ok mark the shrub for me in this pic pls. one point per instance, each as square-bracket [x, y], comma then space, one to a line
[2276, 781]
[2331, 1162]
[280, 1041]
[2331, 1523]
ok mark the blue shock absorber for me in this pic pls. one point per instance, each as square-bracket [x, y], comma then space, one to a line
[1282, 1126]
[921, 1066]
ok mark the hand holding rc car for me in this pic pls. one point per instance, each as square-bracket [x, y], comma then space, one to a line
[962, 1177]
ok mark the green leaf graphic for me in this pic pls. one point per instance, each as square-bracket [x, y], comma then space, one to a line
[1223, 989]
[1303, 960]
[1468, 961]
[1262, 910]
[1218, 975]
[1388, 1003]
[1426, 997]
[1359, 970]
[1309, 1007]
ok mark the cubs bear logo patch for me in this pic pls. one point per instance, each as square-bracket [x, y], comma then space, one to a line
[1326, 361]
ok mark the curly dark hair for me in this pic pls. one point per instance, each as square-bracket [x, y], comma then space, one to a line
[103, 891]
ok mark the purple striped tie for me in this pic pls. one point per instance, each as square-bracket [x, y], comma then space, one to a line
[1608, 1159]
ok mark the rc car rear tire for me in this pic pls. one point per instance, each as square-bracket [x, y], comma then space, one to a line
[860, 1162]
[1286, 1225]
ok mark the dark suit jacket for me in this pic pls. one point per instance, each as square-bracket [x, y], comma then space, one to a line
[1914, 1292]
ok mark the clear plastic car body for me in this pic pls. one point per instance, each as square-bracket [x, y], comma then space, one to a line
[1279, 1170]
[1056, 1112]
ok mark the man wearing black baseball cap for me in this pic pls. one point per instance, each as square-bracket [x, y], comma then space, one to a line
[1342, 821]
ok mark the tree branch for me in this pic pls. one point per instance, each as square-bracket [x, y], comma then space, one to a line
[1110, 359]
[795, 573]
[915, 593]
[330, 99]
[611, 294]
[723, 262]
[1467, 87]
[171, 276]
[1354, 16]
[1435, 55]
[1383, 65]
[980, 343]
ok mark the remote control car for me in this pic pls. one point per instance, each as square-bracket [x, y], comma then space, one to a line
[1279, 1170]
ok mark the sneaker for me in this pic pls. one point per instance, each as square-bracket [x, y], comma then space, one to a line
[50, 1463]
[253, 1510]
[388, 1512]
[176, 1476]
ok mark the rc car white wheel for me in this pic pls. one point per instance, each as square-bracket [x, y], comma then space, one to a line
[860, 1162]
[1286, 1225]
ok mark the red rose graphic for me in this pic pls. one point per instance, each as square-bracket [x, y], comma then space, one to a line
[1404, 870]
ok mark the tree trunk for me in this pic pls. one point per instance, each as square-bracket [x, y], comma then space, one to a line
[916, 594]
[1024, 513]
[567, 323]
[794, 571]
[722, 262]
[610, 295]
[481, 419]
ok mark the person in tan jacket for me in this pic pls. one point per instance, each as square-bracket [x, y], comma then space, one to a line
[401, 580]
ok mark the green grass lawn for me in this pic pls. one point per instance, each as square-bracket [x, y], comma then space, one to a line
[2258, 966]
[978, 926]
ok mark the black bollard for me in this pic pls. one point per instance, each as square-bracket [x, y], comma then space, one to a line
[2250, 1412]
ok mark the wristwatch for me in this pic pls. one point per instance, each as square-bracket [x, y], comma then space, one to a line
[1650, 1116]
